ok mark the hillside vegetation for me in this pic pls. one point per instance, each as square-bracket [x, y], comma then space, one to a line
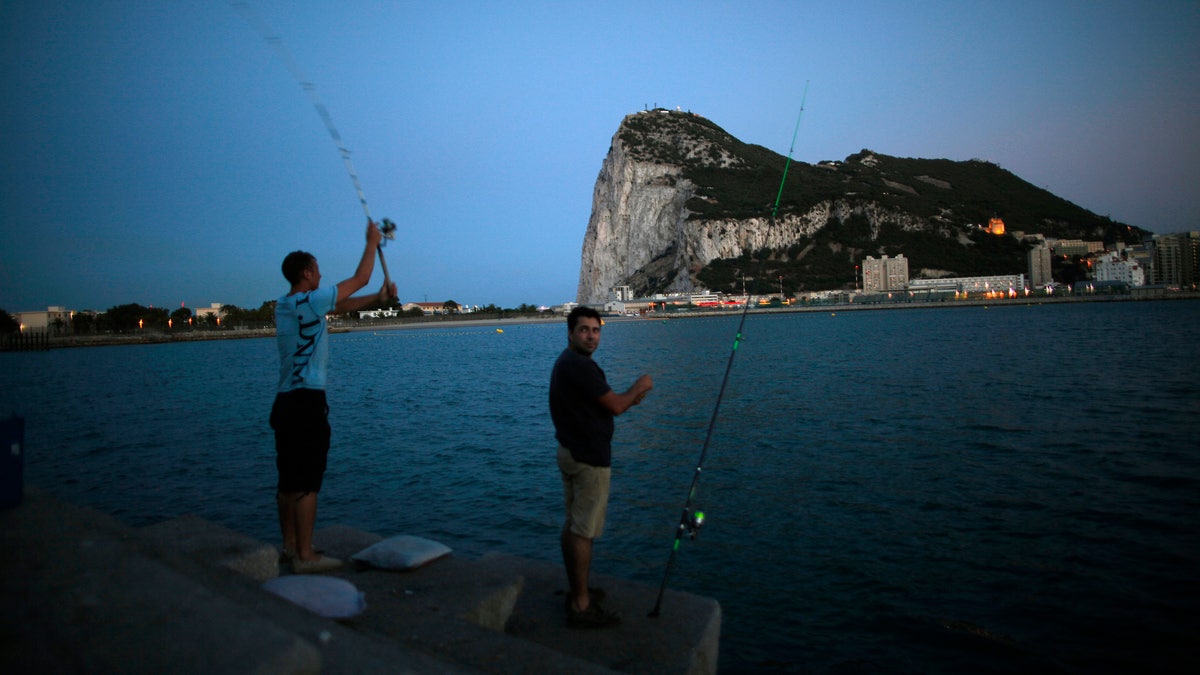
[933, 209]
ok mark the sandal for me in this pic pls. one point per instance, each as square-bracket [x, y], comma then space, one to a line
[594, 616]
[316, 566]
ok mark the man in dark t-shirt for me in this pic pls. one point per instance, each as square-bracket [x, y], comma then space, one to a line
[582, 406]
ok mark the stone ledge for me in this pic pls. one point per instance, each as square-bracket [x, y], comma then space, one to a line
[432, 606]
[85, 593]
[203, 540]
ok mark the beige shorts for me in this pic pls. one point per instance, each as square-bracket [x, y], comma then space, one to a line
[585, 489]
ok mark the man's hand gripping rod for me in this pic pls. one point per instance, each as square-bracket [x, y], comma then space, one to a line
[388, 228]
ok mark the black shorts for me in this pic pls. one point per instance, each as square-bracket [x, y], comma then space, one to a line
[300, 419]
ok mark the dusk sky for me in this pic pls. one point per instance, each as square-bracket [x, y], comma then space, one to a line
[160, 152]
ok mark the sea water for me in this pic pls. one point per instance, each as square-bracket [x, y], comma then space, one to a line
[986, 489]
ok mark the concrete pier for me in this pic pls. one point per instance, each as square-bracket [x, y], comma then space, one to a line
[84, 593]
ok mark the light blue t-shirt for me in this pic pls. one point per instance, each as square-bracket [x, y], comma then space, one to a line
[302, 338]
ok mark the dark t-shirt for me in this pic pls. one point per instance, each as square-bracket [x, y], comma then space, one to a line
[581, 424]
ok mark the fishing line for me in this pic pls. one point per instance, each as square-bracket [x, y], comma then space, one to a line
[690, 521]
[276, 43]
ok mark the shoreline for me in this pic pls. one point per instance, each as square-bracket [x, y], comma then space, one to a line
[465, 320]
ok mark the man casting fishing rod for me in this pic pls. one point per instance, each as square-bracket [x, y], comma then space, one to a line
[582, 406]
[300, 416]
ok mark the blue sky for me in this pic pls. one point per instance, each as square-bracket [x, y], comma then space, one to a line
[161, 152]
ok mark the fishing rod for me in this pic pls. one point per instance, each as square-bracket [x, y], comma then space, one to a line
[387, 227]
[691, 520]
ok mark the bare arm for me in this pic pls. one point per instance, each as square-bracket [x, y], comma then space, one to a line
[357, 302]
[362, 275]
[619, 403]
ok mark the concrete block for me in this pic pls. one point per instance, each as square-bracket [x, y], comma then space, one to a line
[343, 541]
[84, 593]
[448, 586]
[684, 639]
[208, 542]
[81, 594]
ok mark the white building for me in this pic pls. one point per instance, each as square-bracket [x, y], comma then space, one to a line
[1002, 283]
[56, 319]
[380, 313]
[1112, 267]
[622, 293]
[215, 310]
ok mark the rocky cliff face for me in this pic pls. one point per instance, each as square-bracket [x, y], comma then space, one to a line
[638, 213]
[641, 233]
[680, 204]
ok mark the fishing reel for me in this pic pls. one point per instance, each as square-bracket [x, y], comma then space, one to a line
[692, 521]
[388, 228]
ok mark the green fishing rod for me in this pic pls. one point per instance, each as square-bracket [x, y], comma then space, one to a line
[387, 227]
[691, 519]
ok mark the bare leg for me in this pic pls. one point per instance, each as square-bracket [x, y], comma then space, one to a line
[287, 520]
[577, 556]
[297, 517]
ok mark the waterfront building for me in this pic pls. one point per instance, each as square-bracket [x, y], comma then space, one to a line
[389, 313]
[52, 319]
[1141, 253]
[1175, 259]
[1113, 267]
[214, 311]
[885, 274]
[1039, 265]
[427, 308]
[1002, 283]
